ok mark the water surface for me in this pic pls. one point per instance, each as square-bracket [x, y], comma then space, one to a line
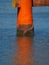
[23, 50]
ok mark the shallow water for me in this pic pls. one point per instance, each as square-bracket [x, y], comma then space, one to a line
[23, 50]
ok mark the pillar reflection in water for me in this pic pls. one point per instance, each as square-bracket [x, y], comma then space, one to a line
[25, 51]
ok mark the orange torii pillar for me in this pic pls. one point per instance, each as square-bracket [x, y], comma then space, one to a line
[24, 19]
[24, 23]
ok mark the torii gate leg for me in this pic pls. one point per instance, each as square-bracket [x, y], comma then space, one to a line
[24, 23]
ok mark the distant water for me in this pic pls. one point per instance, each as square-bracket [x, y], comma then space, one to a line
[34, 51]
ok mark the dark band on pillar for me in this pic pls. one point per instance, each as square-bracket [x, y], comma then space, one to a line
[25, 30]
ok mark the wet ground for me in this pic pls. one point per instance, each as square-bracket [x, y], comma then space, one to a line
[24, 50]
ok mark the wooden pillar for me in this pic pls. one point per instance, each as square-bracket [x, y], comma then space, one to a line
[25, 20]
[24, 23]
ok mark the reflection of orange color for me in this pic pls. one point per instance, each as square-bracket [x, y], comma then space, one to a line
[25, 51]
[25, 12]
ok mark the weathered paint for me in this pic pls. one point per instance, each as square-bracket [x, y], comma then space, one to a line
[40, 2]
[16, 3]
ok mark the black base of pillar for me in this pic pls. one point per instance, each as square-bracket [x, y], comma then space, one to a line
[29, 33]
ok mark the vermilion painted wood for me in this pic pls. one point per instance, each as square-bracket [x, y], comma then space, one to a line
[16, 3]
[25, 13]
[40, 2]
